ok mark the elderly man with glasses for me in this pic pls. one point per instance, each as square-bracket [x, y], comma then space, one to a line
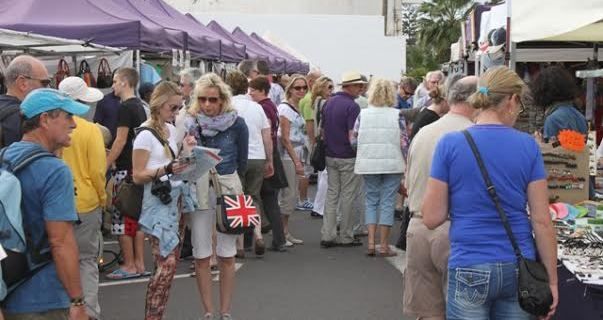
[406, 90]
[23, 75]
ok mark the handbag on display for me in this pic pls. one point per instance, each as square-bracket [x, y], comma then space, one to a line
[533, 291]
[235, 214]
[86, 74]
[62, 72]
[104, 76]
[129, 198]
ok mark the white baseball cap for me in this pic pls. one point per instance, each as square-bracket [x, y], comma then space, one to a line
[76, 88]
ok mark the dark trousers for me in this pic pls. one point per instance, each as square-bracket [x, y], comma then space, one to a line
[272, 211]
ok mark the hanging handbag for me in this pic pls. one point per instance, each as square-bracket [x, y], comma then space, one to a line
[104, 76]
[533, 291]
[318, 156]
[62, 72]
[85, 73]
[129, 198]
[279, 179]
[235, 214]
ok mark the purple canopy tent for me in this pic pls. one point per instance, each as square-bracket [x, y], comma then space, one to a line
[277, 64]
[200, 46]
[217, 28]
[91, 23]
[229, 50]
[297, 65]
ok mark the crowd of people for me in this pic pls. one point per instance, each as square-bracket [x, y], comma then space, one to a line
[387, 145]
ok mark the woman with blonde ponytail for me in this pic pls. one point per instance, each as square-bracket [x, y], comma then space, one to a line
[482, 268]
[154, 160]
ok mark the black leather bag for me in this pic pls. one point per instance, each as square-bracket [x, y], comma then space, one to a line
[278, 179]
[318, 157]
[104, 78]
[129, 198]
[533, 291]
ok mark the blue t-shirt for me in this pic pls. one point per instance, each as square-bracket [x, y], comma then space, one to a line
[564, 117]
[513, 161]
[48, 195]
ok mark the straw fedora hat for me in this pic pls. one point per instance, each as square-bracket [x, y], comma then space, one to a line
[352, 78]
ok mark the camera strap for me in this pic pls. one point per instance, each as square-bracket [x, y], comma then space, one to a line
[158, 137]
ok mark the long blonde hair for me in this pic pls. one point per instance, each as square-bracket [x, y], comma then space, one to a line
[319, 88]
[161, 94]
[212, 80]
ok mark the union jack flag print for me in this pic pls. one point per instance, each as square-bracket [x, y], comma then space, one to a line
[240, 211]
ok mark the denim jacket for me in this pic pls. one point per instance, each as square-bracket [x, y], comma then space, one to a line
[234, 147]
[160, 220]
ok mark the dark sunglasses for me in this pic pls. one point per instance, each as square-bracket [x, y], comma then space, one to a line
[174, 107]
[44, 82]
[330, 87]
[299, 88]
[206, 99]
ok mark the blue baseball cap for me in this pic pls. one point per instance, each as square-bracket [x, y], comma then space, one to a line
[42, 100]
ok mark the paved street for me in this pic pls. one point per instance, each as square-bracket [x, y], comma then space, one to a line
[305, 283]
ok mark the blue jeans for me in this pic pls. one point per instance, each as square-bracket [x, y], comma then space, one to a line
[485, 291]
[380, 190]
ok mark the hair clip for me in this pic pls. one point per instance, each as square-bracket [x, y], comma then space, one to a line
[483, 90]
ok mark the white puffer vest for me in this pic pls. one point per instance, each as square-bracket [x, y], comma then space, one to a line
[379, 142]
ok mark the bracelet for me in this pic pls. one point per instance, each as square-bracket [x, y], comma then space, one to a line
[559, 156]
[78, 301]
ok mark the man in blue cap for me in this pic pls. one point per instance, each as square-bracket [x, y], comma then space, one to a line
[48, 210]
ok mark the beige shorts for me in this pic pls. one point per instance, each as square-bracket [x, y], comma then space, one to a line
[426, 272]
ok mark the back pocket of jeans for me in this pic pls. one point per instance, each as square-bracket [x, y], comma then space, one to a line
[471, 286]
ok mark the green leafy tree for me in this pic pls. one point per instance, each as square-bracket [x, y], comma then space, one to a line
[409, 22]
[439, 25]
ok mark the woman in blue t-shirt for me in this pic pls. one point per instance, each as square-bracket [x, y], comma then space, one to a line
[482, 267]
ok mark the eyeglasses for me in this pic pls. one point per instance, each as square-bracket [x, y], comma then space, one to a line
[44, 82]
[183, 84]
[300, 88]
[174, 107]
[206, 99]
[522, 107]
[330, 87]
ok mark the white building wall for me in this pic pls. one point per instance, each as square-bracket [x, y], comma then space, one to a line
[333, 43]
[330, 7]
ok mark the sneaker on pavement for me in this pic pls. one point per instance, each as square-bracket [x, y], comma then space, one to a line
[288, 243]
[208, 316]
[303, 206]
[293, 240]
[226, 316]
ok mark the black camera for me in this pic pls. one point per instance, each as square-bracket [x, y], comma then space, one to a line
[162, 190]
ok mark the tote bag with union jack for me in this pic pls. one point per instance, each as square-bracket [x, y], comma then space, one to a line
[235, 214]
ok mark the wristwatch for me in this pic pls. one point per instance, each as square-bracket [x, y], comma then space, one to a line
[78, 301]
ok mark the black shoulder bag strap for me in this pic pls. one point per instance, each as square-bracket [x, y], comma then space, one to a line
[492, 193]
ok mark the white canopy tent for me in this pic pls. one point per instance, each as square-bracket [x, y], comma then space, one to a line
[556, 20]
[39, 44]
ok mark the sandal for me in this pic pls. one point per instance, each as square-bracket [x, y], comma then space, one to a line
[370, 251]
[387, 253]
[120, 274]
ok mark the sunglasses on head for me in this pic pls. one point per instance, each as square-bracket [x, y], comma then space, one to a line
[299, 88]
[44, 82]
[206, 99]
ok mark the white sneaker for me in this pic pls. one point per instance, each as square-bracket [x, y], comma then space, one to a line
[293, 240]
[288, 243]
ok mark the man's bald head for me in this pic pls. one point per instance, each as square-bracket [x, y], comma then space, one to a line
[312, 76]
[460, 91]
[24, 74]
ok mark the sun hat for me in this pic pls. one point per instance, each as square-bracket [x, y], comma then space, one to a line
[42, 100]
[76, 88]
[496, 40]
[352, 77]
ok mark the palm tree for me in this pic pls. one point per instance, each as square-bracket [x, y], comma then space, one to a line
[439, 24]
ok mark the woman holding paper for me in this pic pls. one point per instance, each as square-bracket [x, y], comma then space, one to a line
[154, 160]
[214, 122]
